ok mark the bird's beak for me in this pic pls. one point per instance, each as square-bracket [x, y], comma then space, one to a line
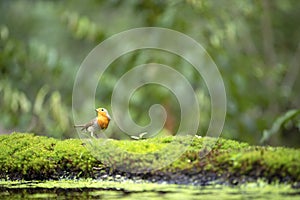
[96, 110]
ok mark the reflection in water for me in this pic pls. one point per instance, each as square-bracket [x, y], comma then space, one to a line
[88, 189]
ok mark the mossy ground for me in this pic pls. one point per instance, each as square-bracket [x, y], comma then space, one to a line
[204, 160]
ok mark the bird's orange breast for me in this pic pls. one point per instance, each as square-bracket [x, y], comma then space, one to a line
[103, 121]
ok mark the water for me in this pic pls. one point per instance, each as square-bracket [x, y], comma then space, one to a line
[91, 189]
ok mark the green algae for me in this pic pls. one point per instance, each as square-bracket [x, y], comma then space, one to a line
[29, 157]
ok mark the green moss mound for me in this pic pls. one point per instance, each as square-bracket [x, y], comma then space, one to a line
[25, 156]
[30, 157]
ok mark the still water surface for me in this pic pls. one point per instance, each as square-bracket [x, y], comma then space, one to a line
[90, 189]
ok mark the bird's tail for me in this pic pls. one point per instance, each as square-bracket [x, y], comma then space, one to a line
[80, 126]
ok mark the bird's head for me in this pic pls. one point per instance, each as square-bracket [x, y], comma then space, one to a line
[103, 112]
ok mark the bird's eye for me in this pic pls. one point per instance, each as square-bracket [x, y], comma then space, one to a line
[102, 109]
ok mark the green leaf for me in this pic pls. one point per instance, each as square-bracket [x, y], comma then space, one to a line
[39, 100]
[279, 123]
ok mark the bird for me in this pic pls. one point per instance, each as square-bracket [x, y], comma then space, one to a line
[100, 122]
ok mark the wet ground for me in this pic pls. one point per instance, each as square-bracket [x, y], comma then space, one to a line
[92, 189]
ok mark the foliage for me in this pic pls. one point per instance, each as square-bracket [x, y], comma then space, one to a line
[280, 123]
[255, 45]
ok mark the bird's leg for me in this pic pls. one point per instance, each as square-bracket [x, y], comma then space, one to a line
[92, 134]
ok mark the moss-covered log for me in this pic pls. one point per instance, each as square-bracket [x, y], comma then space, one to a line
[30, 157]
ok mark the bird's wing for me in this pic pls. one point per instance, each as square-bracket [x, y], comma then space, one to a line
[85, 126]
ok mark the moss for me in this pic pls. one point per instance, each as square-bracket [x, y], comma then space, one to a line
[26, 156]
[36, 157]
[140, 147]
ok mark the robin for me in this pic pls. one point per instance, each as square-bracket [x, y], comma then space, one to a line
[99, 123]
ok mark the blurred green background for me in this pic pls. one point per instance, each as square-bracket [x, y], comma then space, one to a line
[255, 44]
